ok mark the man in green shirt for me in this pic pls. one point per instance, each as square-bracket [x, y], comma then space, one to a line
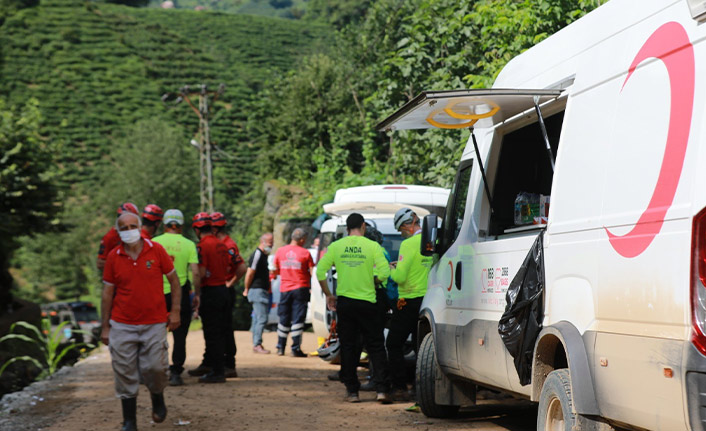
[183, 254]
[358, 261]
[410, 273]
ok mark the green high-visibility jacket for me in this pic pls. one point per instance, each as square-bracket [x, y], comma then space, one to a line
[412, 268]
[357, 261]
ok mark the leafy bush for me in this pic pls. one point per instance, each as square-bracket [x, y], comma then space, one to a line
[49, 343]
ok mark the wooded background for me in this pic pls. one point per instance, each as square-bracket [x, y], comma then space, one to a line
[82, 126]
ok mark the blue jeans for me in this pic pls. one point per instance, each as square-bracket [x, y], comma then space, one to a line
[260, 300]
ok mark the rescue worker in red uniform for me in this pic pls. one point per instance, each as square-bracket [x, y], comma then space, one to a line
[112, 238]
[214, 311]
[151, 219]
[236, 270]
[293, 263]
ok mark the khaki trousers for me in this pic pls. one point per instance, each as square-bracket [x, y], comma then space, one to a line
[138, 350]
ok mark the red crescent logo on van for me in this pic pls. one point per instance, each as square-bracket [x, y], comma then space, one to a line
[671, 44]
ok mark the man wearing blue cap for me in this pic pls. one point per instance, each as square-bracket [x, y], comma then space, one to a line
[183, 254]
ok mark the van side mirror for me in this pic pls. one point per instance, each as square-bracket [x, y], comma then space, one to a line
[430, 232]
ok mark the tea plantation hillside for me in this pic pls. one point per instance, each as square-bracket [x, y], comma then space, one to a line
[97, 68]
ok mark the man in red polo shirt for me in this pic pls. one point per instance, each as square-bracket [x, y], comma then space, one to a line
[135, 318]
[236, 270]
[213, 266]
[112, 239]
[294, 265]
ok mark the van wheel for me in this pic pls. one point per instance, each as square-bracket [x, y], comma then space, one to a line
[555, 403]
[426, 372]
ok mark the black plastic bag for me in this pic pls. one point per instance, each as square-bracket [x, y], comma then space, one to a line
[522, 319]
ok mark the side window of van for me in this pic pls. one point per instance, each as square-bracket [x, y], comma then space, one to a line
[456, 207]
[522, 184]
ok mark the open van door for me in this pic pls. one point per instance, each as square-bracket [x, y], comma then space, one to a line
[457, 109]
[478, 255]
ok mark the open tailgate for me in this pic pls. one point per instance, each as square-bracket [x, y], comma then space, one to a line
[457, 109]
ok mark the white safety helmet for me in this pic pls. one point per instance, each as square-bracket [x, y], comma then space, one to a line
[330, 350]
[402, 216]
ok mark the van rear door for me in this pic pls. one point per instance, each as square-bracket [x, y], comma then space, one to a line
[457, 109]
[468, 342]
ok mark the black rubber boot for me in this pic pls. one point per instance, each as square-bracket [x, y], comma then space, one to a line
[129, 414]
[159, 409]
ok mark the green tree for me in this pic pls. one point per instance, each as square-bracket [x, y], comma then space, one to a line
[28, 196]
[317, 123]
[151, 163]
[339, 13]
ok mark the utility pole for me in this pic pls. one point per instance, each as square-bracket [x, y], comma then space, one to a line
[203, 111]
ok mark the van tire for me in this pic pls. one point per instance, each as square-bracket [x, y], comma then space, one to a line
[426, 372]
[556, 404]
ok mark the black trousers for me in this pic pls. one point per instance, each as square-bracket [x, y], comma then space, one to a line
[230, 348]
[215, 315]
[403, 323]
[355, 318]
[179, 351]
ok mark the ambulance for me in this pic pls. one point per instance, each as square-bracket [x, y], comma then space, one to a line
[377, 204]
[580, 203]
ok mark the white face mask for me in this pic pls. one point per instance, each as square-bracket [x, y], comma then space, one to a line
[267, 249]
[129, 236]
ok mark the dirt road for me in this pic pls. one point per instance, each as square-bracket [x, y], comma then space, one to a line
[271, 393]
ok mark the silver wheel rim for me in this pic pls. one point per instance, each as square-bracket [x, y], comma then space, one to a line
[555, 416]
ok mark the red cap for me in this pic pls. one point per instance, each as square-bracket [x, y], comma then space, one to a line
[200, 220]
[129, 207]
[152, 212]
[218, 219]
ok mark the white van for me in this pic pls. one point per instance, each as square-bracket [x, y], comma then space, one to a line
[623, 309]
[377, 204]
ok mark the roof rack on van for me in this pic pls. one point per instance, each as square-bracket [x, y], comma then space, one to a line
[459, 109]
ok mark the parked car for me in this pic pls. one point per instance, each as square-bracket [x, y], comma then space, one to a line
[81, 316]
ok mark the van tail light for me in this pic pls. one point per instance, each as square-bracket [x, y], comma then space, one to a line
[698, 282]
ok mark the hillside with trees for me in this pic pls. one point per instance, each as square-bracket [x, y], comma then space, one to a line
[302, 99]
[97, 72]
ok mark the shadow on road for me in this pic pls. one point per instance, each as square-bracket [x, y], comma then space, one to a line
[514, 415]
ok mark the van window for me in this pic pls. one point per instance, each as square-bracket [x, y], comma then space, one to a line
[456, 207]
[524, 174]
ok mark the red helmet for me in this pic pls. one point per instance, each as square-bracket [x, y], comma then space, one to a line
[153, 213]
[218, 219]
[129, 207]
[201, 220]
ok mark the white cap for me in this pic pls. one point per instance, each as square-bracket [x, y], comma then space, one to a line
[173, 216]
